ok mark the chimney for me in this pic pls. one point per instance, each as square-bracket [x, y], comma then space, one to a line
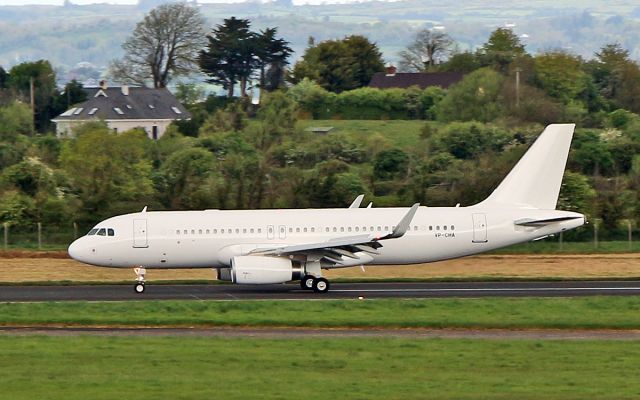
[391, 70]
[103, 84]
[125, 90]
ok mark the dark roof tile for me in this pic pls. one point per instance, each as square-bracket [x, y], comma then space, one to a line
[404, 80]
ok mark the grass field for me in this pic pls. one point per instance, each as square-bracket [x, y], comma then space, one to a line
[223, 368]
[512, 313]
[487, 267]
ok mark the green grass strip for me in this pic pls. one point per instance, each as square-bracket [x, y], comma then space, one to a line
[83, 367]
[563, 313]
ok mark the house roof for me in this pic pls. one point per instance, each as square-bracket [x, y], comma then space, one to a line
[382, 80]
[138, 104]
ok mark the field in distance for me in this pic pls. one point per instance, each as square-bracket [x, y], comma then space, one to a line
[591, 266]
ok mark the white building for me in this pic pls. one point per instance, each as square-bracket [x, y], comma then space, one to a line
[124, 108]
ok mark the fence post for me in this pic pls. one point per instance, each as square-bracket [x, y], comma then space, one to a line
[630, 234]
[39, 235]
[561, 243]
[75, 230]
[6, 235]
[595, 234]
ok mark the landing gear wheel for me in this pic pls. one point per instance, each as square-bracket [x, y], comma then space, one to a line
[139, 287]
[307, 282]
[140, 273]
[320, 285]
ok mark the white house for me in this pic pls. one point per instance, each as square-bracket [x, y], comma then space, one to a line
[124, 108]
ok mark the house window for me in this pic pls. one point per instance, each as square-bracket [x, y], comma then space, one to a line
[78, 111]
[118, 110]
[176, 110]
[93, 111]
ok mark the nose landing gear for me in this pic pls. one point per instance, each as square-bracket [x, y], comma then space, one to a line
[139, 286]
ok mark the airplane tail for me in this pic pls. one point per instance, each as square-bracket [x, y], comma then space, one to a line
[535, 180]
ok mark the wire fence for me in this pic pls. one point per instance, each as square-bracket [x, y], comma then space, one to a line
[589, 238]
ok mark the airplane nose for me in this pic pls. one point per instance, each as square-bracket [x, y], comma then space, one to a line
[75, 250]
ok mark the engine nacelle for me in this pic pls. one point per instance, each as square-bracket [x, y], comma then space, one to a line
[261, 270]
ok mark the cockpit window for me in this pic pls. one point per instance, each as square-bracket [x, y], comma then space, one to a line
[111, 232]
[102, 232]
[92, 232]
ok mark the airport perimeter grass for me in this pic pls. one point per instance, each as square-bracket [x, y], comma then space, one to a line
[89, 367]
[511, 313]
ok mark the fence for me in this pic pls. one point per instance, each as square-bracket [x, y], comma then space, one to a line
[589, 238]
[39, 237]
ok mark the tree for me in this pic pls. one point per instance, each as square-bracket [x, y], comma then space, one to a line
[44, 82]
[272, 54]
[560, 74]
[163, 45]
[339, 65]
[4, 78]
[229, 56]
[427, 49]
[502, 48]
[106, 180]
[477, 97]
[15, 119]
[464, 62]
[185, 175]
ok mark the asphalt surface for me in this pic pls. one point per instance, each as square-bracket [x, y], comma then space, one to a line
[338, 291]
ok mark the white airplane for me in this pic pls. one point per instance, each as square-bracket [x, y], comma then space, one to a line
[277, 246]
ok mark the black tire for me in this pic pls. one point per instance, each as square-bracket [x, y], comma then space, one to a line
[138, 288]
[306, 282]
[320, 285]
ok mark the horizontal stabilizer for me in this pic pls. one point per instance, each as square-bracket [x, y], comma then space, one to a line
[543, 222]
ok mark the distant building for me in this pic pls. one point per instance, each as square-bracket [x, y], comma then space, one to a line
[392, 79]
[124, 108]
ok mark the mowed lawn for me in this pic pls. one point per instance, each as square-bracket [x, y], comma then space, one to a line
[93, 367]
[597, 312]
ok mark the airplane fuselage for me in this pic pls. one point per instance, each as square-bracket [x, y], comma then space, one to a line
[211, 238]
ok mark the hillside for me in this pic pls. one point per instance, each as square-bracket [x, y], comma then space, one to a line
[69, 35]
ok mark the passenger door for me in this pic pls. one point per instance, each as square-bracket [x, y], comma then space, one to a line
[479, 228]
[140, 233]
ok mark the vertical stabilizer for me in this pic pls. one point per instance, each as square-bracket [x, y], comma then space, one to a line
[535, 180]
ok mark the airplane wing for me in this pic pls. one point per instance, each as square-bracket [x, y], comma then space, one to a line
[334, 249]
[542, 222]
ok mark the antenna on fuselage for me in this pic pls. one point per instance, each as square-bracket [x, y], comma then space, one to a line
[144, 209]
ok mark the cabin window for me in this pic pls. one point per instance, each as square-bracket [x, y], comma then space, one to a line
[349, 229]
[357, 229]
[335, 229]
[92, 232]
[453, 227]
[259, 230]
[244, 230]
[437, 227]
[430, 227]
[297, 230]
[326, 229]
[386, 228]
[415, 227]
[200, 231]
[305, 230]
[185, 232]
[290, 230]
[177, 231]
[379, 228]
[208, 231]
[237, 230]
[102, 232]
[313, 230]
[111, 232]
[251, 230]
[342, 229]
[371, 228]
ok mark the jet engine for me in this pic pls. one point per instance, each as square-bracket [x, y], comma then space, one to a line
[261, 270]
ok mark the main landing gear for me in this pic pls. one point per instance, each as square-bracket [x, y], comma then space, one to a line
[139, 286]
[317, 284]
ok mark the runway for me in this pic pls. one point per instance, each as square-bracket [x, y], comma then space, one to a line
[338, 291]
